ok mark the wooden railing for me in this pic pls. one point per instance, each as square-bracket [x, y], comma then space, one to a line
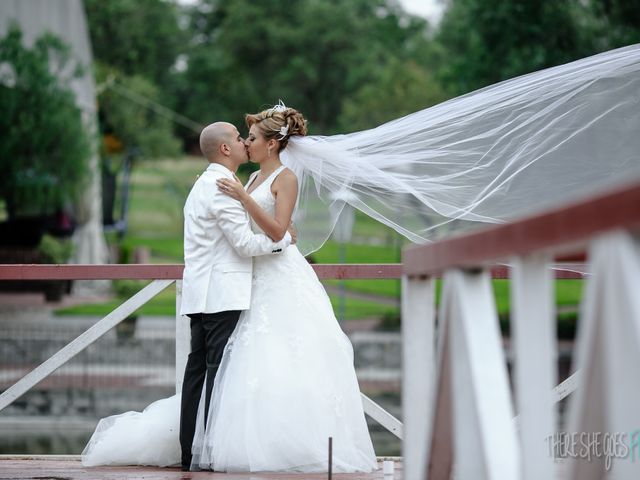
[162, 276]
[458, 408]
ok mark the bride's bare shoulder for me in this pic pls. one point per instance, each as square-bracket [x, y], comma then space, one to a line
[286, 178]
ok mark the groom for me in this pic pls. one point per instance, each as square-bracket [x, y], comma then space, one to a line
[216, 284]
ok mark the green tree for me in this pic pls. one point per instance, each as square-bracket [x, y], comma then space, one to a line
[614, 23]
[312, 54]
[488, 41]
[127, 114]
[136, 45]
[137, 37]
[45, 148]
[399, 89]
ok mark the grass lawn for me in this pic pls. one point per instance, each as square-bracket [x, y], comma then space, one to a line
[162, 304]
[157, 194]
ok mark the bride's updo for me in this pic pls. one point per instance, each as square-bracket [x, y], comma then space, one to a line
[279, 122]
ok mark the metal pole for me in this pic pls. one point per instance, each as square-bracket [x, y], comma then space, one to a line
[330, 472]
[342, 290]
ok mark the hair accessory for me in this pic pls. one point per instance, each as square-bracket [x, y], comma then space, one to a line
[280, 107]
[284, 131]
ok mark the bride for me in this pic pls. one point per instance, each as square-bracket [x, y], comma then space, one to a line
[286, 382]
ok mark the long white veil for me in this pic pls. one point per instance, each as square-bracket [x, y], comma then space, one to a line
[495, 154]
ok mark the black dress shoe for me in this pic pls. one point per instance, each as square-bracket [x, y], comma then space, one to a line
[185, 462]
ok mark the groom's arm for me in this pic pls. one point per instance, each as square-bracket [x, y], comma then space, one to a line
[235, 225]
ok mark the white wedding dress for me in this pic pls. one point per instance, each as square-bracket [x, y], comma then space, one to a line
[285, 385]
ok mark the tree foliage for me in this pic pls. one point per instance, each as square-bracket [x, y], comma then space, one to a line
[347, 64]
[615, 23]
[313, 54]
[396, 91]
[136, 45]
[136, 37]
[125, 114]
[44, 149]
[491, 40]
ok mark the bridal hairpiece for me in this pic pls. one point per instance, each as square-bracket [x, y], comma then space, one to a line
[284, 131]
[280, 107]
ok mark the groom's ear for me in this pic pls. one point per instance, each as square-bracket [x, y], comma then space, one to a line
[224, 149]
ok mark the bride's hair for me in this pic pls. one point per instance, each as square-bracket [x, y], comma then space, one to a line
[278, 122]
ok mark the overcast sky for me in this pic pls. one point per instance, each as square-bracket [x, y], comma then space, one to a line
[431, 9]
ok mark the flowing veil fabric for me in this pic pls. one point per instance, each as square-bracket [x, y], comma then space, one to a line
[495, 154]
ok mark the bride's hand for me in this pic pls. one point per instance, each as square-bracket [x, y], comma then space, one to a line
[231, 187]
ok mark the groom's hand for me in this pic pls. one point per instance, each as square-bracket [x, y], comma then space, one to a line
[293, 233]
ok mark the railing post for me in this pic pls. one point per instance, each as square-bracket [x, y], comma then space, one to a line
[533, 334]
[607, 352]
[183, 338]
[484, 437]
[418, 365]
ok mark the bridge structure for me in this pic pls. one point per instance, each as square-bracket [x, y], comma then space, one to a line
[462, 415]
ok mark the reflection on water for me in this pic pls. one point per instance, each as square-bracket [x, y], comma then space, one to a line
[70, 443]
[47, 435]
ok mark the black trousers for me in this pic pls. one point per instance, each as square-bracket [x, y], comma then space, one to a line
[209, 335]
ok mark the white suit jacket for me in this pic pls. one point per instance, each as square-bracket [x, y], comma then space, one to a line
[218, 248]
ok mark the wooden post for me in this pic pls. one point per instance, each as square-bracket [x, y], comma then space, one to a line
[484, 436]
[535, 361]
[418, 366]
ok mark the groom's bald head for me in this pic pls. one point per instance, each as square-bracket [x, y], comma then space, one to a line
[213, 136]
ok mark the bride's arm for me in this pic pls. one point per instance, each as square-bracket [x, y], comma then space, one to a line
[285, 189]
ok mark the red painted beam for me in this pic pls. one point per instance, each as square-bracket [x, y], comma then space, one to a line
[90, 272]
[173, 272]
[562, 232]
[572, 271]
[371, 271]
[151, 272]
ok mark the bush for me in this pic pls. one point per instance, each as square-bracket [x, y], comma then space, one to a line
[129, 118]
[126, 289]
[55, 250]
[45, 149]
[566, 324]
[390, 321]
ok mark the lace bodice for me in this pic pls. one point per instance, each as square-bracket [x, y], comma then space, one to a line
[263, 196]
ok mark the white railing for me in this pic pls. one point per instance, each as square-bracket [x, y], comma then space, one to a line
[458, 406]
[162, 276]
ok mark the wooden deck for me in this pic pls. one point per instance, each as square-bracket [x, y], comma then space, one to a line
[68, 467]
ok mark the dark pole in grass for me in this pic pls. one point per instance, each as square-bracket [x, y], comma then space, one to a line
[343, 216]
[330, 457]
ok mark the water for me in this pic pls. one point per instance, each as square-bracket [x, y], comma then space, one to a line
[120, 373]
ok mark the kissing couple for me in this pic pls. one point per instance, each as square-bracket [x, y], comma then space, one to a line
[270, 376]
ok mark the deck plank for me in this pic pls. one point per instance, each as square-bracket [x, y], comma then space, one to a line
[68, 467]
